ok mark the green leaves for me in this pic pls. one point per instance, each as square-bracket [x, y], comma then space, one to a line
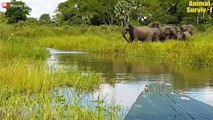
[17, 12]
[45, 18]
[117, 12]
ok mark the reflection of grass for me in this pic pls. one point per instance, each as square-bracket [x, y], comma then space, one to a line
[25, 92]
[188, 77]
[43, 106]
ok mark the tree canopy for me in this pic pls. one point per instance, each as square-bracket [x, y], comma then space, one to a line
[45, 18]
[17, 11]
[97, 12]
[114, 12]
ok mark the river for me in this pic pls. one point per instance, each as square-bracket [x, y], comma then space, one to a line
[131, 76]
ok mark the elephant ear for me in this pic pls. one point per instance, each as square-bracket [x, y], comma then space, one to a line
[183, 28]
[131, 31]
[167, 31]
[156, 25]
[172, 30]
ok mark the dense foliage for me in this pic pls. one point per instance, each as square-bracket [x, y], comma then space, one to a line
[45, 18]
[114, 12]
[17, 11]
[98, 12]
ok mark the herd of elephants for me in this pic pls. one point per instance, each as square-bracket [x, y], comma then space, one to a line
[157, 32]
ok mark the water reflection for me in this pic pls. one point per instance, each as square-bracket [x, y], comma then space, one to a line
[204, 94]
[132, 76]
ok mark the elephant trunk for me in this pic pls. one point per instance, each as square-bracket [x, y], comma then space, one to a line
[124, 35]
[124, 32]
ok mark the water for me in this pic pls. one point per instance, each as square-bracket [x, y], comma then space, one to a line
[132, 76]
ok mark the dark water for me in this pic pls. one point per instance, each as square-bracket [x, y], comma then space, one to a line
[131, 77]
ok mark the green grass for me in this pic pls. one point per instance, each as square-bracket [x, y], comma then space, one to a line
[198, 50]
[26, 87]
[35, 76]
[44, 107]
[26, 80]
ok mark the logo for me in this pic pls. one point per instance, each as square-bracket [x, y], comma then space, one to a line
[203, 6]
[12, 5]
[5, 5]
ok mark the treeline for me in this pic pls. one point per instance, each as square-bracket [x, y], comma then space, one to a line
[115, 12]
[118, 12]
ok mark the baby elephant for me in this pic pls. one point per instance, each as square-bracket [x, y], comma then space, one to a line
[186, 35]
[179, 36]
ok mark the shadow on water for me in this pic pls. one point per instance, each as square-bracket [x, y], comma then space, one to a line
[126, 78]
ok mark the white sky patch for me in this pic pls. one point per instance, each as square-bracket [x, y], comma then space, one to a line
[39, 7]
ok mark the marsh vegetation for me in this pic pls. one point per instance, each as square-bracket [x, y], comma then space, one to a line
[36, 84]
[27, 81]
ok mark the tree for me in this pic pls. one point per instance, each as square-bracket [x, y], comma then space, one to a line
[45, 18]
[32, 21]
[17, 11]
[162, 11]
[126, 10]
[95, 12]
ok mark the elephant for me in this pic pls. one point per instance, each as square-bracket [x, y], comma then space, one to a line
[179, 36]
[189, 28]
[186, 35]
[166, 31]
[143, 33]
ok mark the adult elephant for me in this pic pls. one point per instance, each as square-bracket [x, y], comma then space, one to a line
[166, 31]
[143, 33]
[189, 28]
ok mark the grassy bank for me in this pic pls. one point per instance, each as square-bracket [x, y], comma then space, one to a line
[198, 50]
[26, 87]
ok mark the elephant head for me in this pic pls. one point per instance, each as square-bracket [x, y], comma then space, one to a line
[154, 25]
[128, 29]
[167, 32]
[189, 28]
[186, 35]
[177, 36]
[142, 33]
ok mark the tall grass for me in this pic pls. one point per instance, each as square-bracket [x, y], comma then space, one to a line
[198, 50]
[35, 76]
[43, 106]
[26, 92]
[26, 80]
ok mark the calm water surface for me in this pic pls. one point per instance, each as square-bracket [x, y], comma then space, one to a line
[131, 76]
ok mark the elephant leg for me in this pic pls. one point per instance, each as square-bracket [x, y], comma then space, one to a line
[136, 39]
[158, 38]
[149, 38]
[130, 40]
[167, 37]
